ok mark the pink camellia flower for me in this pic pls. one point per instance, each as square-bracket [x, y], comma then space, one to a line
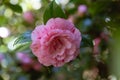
[82, 9]
[72, 18]
[1, 56]
[37, 66]
[56, 43]
[96, 45]
[23, 57]
[104, 36]
[28, 17]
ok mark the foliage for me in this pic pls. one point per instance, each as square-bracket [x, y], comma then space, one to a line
[54, 11]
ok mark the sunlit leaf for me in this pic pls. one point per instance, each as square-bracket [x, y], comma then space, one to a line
[23, 38]
[3, 20]
[53, 11]
[15, 8]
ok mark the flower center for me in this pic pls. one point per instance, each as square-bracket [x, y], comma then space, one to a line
[56, 45]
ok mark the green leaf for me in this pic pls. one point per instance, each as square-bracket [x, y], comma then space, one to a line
[3, 48]
[1, 78]
[15, 8]
[96, 9]
[23, 38]
[53, 11]
[86, 41]
[3, 20]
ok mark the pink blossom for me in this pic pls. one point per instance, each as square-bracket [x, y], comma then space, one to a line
[28, 17]
[1, 56]
[96, 45]
[104, 36]
[23, 57]
[72, 18]
[82, 9]
[56, 43]
[37, 66]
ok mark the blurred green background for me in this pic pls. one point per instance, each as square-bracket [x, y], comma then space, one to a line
[98, 21]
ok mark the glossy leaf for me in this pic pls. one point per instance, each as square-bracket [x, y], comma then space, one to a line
[53, 11]
[15, 8]
[23, 38]
[3, 20]
[86, 41]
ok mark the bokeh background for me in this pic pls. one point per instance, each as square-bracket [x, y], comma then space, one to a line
[98, 21]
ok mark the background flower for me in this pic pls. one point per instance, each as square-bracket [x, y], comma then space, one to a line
[28, 17]
[23, 57]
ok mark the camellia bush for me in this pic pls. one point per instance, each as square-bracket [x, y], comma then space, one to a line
[59, 39]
